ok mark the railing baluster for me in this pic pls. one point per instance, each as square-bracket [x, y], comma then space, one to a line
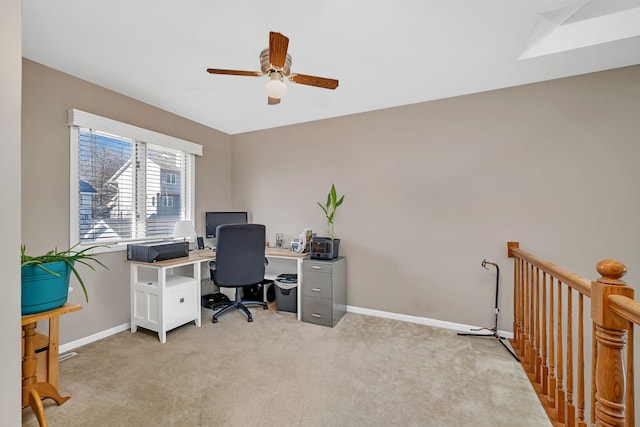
[532, 319]
[519, 314]
[551, 392]
[516, 298]
[523, 344]
[581, 320]
[630, 401]
[559, 364]
[594, 358]
[570, 408]
[545, 369]
[527, 317]
[536, 327]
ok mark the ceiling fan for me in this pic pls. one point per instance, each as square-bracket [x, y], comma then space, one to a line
[276, 63]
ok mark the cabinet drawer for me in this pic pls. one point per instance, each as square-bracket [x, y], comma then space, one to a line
[317, 285]
[180, 303]
[317, 266]
[317, 310]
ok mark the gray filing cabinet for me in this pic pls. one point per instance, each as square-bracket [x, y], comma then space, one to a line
[324, 290]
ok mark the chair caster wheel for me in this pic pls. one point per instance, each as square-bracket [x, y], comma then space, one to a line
[250, 319]
[214, 320]
[264, 307]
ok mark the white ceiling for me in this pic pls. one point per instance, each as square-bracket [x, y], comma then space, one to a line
[384, 53]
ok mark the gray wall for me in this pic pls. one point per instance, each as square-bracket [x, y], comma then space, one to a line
[47, 96]
[10, 84]
[433, 188]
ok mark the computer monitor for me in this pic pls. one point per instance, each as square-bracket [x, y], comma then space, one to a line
[214, 219]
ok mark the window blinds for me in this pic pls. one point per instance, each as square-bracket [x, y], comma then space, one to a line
[129, 189]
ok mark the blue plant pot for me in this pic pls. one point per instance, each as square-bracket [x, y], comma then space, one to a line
[42, 291]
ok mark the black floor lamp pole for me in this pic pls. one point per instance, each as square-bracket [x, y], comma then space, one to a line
[493, 331]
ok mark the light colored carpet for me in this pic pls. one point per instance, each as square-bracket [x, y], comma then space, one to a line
[277, 371]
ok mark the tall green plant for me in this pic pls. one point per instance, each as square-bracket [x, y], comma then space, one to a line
[329, 208]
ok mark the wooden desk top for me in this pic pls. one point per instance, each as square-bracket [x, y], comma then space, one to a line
[273, 252]
[36, 317]
[284, 253]
[207, 254]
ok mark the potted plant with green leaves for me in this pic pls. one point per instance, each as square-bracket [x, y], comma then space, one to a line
[45, 278]
[329, 209]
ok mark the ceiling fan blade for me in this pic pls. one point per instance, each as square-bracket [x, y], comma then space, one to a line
[314, 81]
[273, 101]
[278, 45]
[235, 72]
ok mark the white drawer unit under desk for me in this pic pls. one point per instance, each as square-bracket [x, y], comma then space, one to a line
[166, 294]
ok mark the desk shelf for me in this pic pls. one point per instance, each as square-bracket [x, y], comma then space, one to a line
[171, 281]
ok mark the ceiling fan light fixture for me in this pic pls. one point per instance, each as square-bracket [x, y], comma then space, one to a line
[275, 63]
[275, 87]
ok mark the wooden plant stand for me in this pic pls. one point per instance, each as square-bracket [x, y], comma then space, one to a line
[33, 391]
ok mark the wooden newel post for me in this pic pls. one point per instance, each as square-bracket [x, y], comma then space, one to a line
[610, 331]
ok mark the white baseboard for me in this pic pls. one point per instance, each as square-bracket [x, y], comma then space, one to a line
[95, 337]
[420, 320]
[377, 313]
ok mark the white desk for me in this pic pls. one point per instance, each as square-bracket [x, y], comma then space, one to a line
[162, 299]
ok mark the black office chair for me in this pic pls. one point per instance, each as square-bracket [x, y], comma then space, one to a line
[239, 263]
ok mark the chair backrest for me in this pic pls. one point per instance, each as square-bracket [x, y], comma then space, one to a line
[240, 254]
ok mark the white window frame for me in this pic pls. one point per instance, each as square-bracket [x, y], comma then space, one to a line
[80, 119]
[167, 201]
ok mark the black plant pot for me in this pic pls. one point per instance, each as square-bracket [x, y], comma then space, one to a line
[336, 247]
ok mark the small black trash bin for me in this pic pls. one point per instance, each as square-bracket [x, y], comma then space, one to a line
[287, 292]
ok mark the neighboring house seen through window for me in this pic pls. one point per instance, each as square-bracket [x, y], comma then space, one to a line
[120, 194]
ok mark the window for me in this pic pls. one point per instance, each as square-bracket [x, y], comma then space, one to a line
[118, 194]
[167, 201]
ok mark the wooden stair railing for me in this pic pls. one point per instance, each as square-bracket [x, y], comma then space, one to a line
[551, 327]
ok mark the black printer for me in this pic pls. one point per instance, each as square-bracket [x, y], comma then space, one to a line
[157, 251]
